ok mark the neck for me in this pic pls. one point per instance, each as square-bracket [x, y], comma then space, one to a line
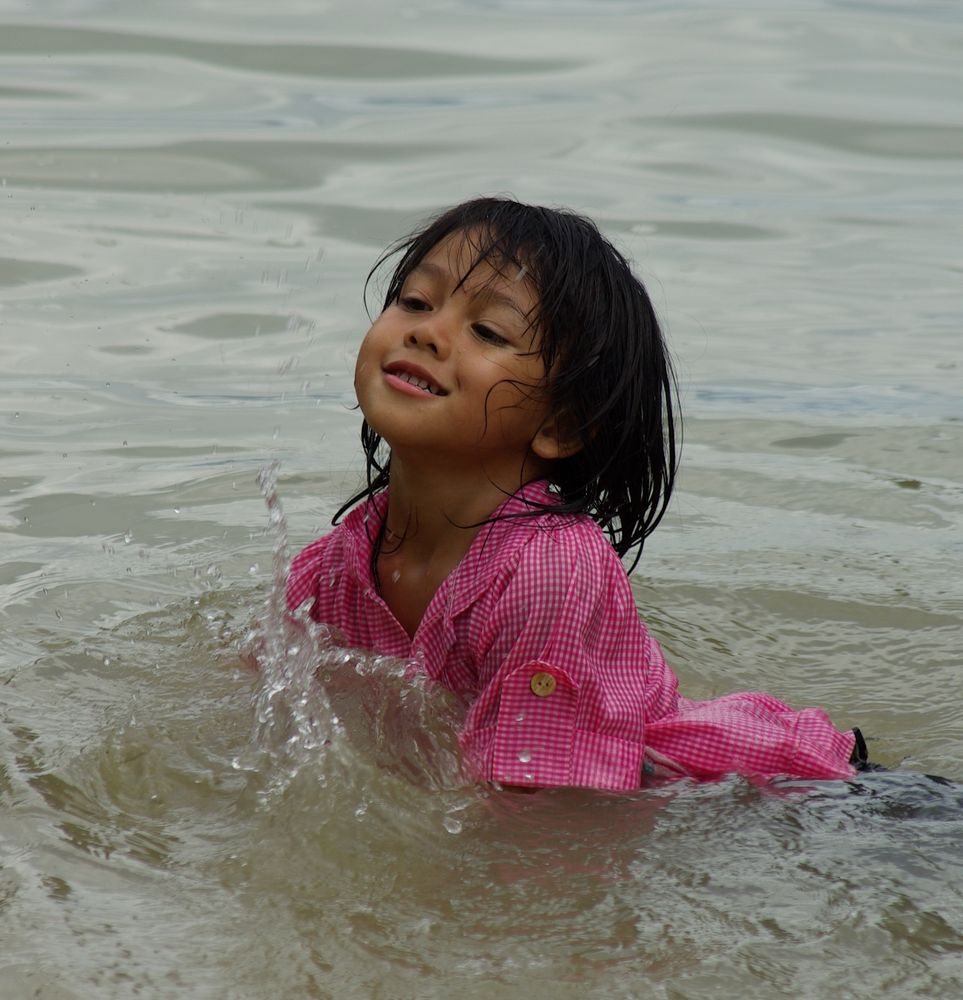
[431, 510]
[434, 513]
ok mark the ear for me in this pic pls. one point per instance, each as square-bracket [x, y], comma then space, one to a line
[555, 439]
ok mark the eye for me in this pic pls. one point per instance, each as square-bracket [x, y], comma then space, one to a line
[413, 303]
[488, 335]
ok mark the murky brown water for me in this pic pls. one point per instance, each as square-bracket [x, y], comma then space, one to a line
[190, 197]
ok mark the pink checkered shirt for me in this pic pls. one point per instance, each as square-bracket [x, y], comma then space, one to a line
[536, 629]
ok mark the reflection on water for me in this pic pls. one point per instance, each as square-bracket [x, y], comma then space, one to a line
[191, 197]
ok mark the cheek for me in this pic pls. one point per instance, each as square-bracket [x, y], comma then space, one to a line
[519, 386]
[514, 410]
[366, 357]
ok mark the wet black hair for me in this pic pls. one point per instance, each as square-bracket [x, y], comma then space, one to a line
[610, 378]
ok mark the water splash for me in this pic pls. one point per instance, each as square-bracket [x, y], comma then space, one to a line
[294, 722]
[337, 712]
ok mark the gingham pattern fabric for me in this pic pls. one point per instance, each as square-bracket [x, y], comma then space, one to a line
[536, 629]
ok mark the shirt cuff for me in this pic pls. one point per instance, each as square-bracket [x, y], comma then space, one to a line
[536, 741]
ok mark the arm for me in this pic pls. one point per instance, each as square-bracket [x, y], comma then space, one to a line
[568, 672]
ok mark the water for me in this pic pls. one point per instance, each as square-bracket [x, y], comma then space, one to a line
[190, 197]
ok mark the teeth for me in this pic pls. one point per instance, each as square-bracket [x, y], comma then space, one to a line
[419, 382]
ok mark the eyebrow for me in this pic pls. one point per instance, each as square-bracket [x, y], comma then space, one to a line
[500, 298]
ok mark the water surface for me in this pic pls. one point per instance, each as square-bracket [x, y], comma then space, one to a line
[191, 196]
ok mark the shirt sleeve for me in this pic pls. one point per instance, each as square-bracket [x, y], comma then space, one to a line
[573, 691]
[749, 733]
[568, 672]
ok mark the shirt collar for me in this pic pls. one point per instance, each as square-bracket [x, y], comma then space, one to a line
[511, 521]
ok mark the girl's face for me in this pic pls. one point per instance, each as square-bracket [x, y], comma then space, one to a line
[451, 371]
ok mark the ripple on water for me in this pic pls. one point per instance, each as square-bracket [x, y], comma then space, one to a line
[797, 216]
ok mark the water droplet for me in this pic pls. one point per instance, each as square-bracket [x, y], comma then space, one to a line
[396, 576]
[60, 617]
[106, 661]
[125, 443]
[451, 824]
[520, 717]
[252, 569]
[177, 510]
[128, 537]
[525, 756]
[528, 776]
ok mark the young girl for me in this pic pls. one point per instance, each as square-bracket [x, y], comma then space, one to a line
[518, 376]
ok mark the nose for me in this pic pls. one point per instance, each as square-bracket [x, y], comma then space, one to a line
[431, 332]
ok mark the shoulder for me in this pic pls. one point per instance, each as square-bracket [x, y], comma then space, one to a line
[562, 565]
[568, 538]
[573, 547]
[521, 528]
[307, 567]
[314, 553]
[344, 549]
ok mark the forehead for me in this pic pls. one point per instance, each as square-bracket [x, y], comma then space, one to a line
[470, 262]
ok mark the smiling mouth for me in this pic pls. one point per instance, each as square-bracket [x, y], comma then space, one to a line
[417, 381]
